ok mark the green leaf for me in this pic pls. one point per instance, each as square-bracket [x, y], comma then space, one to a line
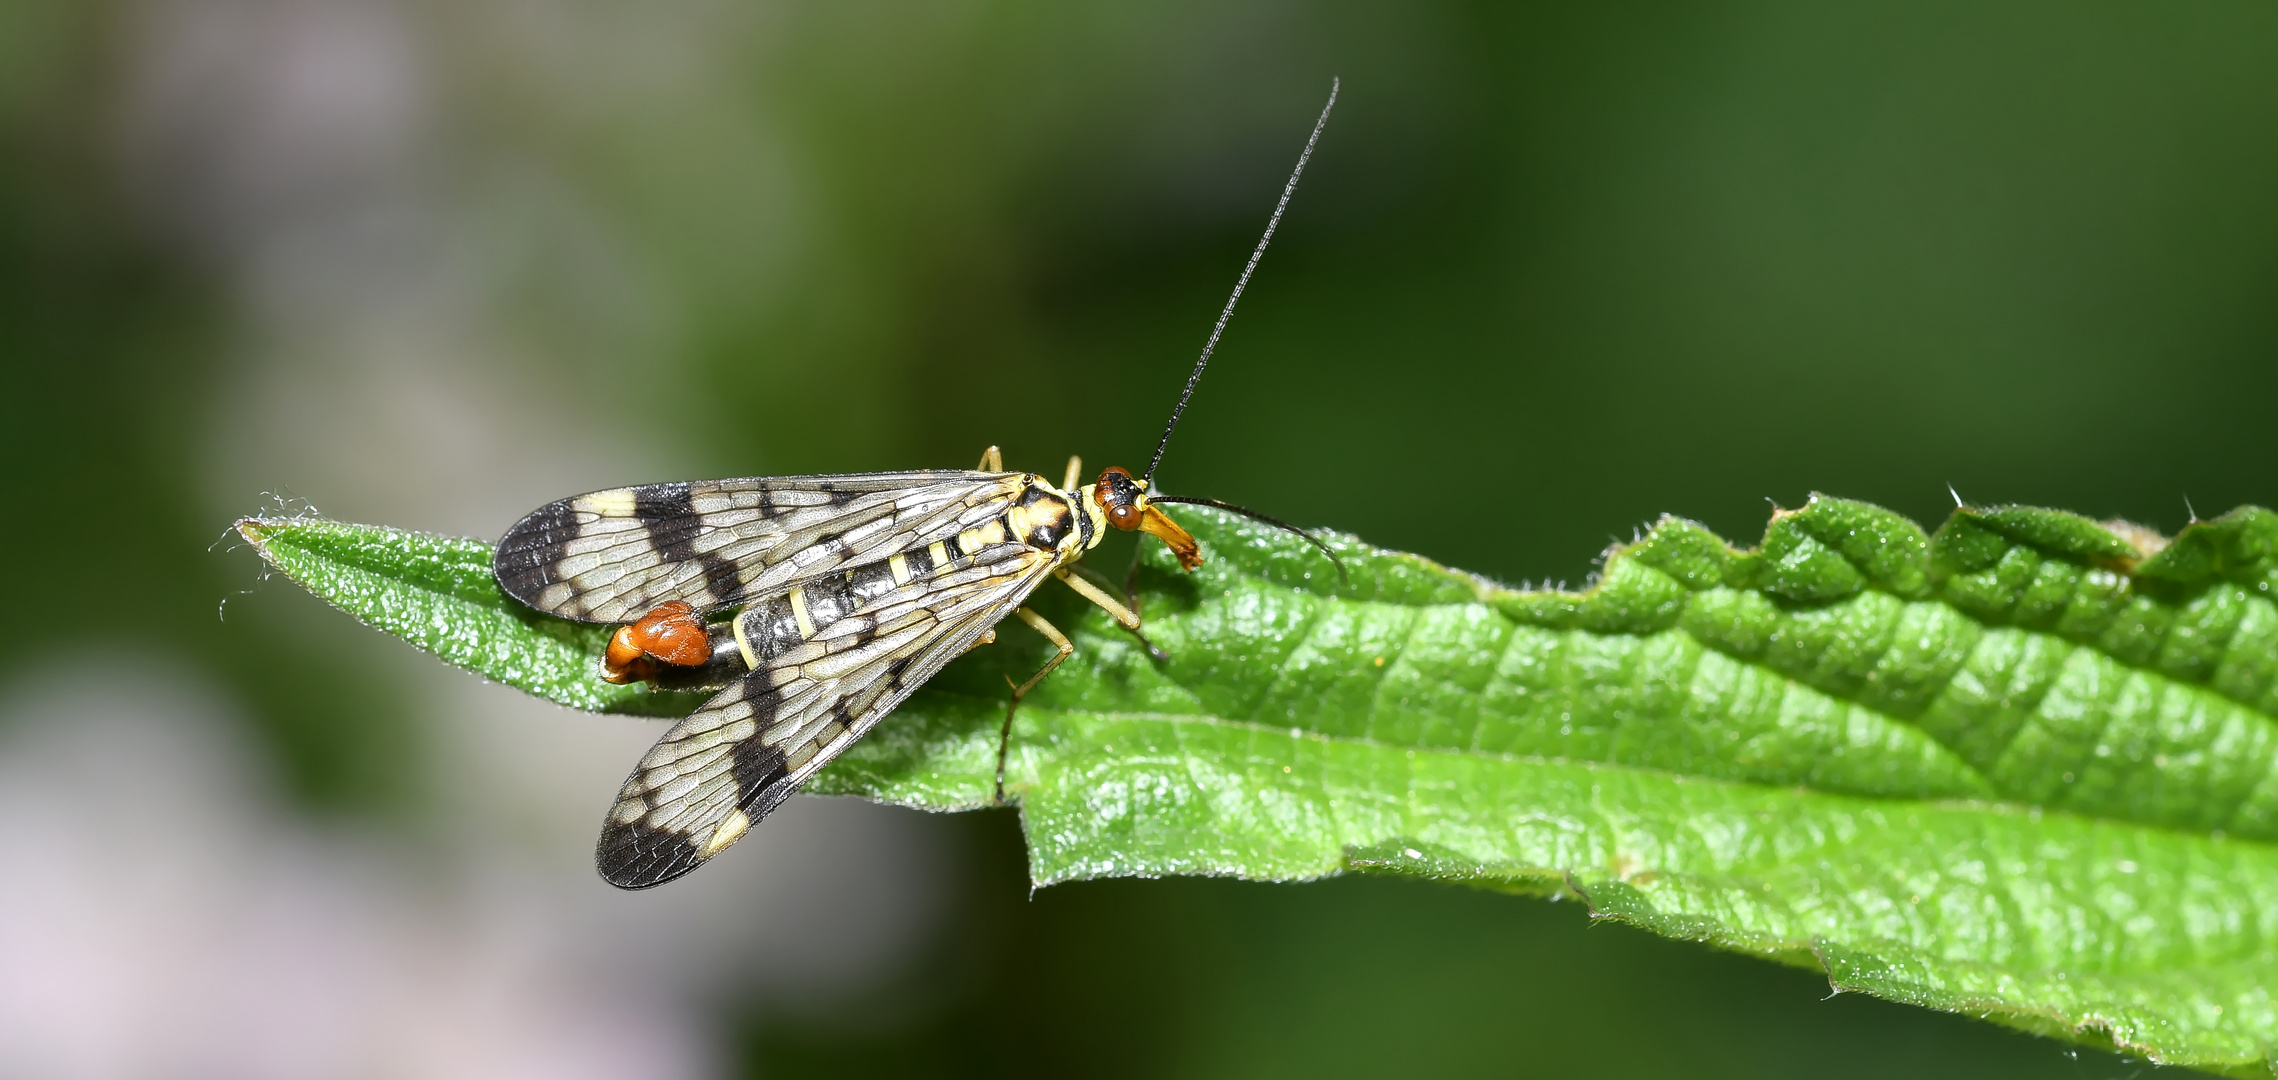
[2020, 769]
[437, 593]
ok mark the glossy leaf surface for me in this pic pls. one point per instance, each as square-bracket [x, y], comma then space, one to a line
[2021, 769]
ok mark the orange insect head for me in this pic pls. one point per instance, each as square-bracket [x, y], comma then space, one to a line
[1128, 508]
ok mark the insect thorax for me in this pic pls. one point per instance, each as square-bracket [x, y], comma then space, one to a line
[1050, 520]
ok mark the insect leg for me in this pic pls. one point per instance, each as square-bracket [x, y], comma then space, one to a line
[1075, 473]
[992, 460]
[1131, 586]
[1067, 648]
[988, 637]
[1097, 595]
[1080, 579]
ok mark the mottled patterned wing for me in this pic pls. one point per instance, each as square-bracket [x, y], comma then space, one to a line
[731, 762]
[612, 556]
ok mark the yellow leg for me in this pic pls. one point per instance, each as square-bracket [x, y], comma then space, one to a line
[1067, 648]
[1052, 634]
[1075, 473]
[1097, 595]
[992, 460]
[1080, 579]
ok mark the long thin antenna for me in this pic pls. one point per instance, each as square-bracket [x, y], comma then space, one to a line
[1286, 191]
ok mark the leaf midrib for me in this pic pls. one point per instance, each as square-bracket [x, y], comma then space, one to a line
[2014, 816]
[2074, 645]
[2028, 811]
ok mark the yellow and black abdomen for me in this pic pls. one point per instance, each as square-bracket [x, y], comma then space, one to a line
[849, 604]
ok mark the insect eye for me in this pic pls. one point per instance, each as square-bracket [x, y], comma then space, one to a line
[1123, 516]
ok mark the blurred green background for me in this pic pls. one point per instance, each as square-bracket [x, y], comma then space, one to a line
[1556, 269]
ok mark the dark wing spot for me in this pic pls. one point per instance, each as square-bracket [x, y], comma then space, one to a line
[673, 526]
[759, 769]
[664, 510]
[637, 857]
[529, 551]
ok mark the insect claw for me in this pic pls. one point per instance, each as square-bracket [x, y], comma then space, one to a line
[1154, 653]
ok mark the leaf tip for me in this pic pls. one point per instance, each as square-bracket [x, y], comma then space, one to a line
[256, 531]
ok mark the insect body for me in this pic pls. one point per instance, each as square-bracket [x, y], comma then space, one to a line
[818, 603]
[848, 593]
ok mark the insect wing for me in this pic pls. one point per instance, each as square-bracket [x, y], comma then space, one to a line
[732, 761]
[612, 556]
